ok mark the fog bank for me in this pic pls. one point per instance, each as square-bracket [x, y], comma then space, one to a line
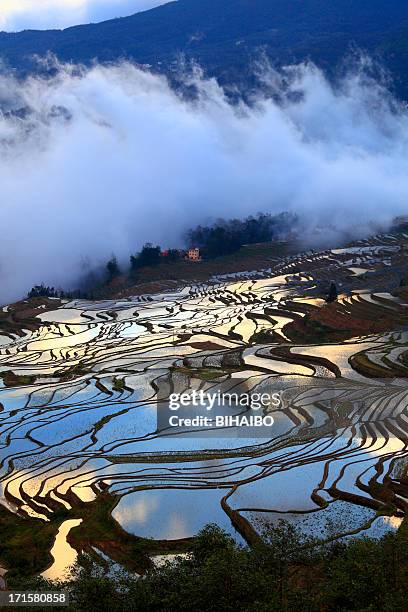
[103, 162]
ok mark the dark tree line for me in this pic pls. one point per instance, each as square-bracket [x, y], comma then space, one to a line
[44, 291]
[148, 256]
[224, 237]
[284, 572]
[153, 255]
[50, 292]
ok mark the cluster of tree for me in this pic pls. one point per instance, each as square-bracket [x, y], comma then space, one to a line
[222, 238]
[153, 255]
[112, 268]
[50, 292]
[284, 572]
[225, 237]
[44, 291]
[148, 256]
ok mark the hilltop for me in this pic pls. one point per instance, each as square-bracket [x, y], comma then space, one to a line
[224, 37]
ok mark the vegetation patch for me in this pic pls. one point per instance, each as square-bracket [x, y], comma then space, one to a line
[24, 315]
[331, 323]
[25, 543]
[207, 373]
[16, 380]
[283, 572]
[75, 371]
[119, 384]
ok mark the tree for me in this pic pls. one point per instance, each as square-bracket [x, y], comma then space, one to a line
[333, 294]
[173, 255]
[44, 291]
[285, 571]
[225, 237]
[148, 256]
[113, 268]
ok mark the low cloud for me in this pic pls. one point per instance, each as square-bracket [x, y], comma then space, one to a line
[102, 162]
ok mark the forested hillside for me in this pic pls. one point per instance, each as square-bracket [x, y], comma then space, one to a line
[225, 35]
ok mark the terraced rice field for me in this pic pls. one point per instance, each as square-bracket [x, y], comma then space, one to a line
[81, 459]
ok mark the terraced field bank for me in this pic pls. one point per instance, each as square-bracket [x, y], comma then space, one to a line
[81, 460]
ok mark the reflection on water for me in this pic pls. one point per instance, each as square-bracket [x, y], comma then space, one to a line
[169, 514]
[338, 520]
[64, 555]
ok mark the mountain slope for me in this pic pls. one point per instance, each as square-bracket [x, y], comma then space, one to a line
[223, 35]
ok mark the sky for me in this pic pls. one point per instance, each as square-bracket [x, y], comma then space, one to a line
[18, 15]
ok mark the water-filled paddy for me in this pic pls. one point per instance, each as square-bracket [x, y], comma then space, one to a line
[78, 414]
